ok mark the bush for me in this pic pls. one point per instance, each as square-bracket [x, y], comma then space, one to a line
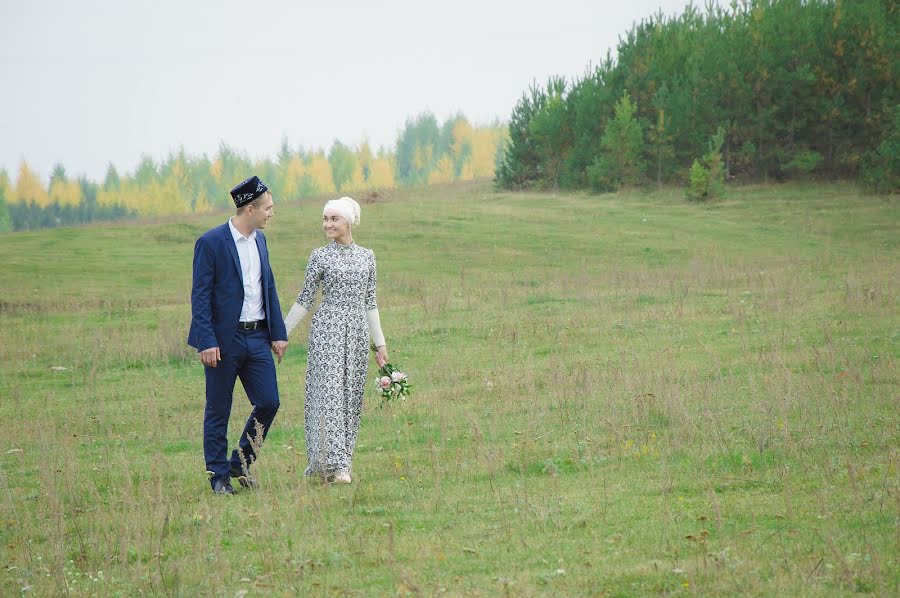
[601, 176]
[698, 187]
[707, 176]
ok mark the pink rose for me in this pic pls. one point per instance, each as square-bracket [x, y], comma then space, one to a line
[398, 376]
[384, 382]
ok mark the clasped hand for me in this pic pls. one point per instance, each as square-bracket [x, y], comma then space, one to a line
[381, 355]
[211, 357]
[278, 347]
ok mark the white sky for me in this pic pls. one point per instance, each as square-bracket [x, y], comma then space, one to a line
[89, 82]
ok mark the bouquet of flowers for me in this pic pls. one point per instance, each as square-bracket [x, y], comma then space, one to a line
[392, 384]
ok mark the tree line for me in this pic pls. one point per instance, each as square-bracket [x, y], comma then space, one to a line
[426, 152]
[761, 90]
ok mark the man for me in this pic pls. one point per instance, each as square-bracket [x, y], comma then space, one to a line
[236, 324]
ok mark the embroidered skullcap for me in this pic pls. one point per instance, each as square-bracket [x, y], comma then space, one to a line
[245, 192]
[346, 207]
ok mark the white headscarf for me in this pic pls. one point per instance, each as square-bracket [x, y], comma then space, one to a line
[346, 207]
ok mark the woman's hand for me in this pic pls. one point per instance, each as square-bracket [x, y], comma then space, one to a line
[381, 356]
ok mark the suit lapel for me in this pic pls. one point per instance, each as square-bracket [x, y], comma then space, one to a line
[263, 261]
[232, 249]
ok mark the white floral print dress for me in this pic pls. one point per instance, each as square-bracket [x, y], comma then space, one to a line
[338, 353]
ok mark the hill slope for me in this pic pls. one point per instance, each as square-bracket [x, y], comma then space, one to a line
[621, 394]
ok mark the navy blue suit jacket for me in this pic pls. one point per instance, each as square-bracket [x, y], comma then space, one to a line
[217, 293]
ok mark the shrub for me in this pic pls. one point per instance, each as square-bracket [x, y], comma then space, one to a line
[707, 176]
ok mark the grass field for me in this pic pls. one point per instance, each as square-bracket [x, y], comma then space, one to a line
[620, 395]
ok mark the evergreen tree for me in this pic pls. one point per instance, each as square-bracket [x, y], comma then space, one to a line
[58, 175]
[416, 149]
[800, 86]
[620, 161]
[659, 148]
[550, 132]
[111, 182]
[881, 166]
[521, 164]
[343, 163]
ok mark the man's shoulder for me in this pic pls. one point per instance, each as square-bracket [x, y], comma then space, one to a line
[216, 232]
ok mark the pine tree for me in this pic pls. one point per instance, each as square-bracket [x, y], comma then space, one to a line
[112, 178]
[620, 161]
[343, 162]
[550, 132]
[416, 149]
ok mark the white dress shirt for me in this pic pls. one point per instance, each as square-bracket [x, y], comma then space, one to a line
[251, 272]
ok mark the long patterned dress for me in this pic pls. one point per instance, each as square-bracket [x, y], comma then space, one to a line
[338, 353]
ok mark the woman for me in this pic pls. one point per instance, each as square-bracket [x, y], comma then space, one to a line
[338, 341]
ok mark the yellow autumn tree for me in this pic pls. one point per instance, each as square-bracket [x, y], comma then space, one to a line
[201, 203]
[461, 146]
[381, 172]
[29, 187]
[443, 171]
[216, 169]
[65, 193]
[293, 177]
[113, 195]
[357, 180]
[319, 171]
[178, 186]
[125, 191]
[485, 141]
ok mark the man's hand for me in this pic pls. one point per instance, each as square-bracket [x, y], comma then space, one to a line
[210, 357]
[278, 347]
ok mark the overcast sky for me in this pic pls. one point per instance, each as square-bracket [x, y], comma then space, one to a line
[92, 82]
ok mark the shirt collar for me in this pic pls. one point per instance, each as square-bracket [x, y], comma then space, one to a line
[236, 234]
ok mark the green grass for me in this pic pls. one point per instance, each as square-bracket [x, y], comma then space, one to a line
[619, 395]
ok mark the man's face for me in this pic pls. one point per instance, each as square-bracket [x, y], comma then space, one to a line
[261, 212]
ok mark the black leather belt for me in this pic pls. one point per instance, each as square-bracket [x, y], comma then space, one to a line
[255, 325]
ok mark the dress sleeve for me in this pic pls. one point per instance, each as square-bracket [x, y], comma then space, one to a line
[314, 272]
[376, 335]
[370, 286]
[297, 313]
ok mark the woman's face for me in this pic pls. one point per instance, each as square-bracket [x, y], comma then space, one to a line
[335, 225]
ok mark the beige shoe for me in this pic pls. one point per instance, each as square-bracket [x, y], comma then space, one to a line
[342, 477]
